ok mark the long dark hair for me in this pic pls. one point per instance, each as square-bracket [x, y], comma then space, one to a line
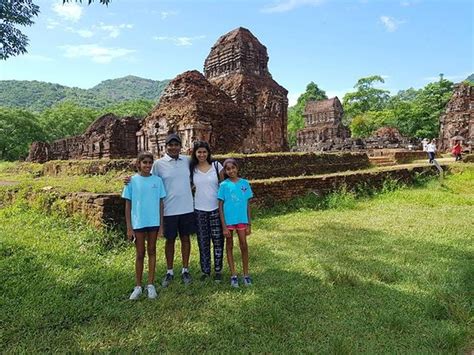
[194, 160]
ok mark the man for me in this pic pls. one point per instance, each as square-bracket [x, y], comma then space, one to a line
[178, 214]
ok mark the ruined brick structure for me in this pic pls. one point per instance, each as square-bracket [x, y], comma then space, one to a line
[323, 125]
[197, 110]
[237, 64]
[107, 137]
[458, 119]
[39, 152]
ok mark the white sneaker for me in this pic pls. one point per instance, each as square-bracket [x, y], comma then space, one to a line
[137, 291]
[151, 290]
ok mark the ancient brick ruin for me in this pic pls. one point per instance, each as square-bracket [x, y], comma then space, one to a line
[107, 137]
[237, 64]
[236, 106]
[197, 110]
[457, 123]
[324, 131]
[323, 125]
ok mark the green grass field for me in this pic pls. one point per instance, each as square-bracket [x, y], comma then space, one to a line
[393, 273]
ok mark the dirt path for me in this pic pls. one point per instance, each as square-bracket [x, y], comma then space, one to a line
[6, 183]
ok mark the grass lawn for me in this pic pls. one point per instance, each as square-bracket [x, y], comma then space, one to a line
[393, 273]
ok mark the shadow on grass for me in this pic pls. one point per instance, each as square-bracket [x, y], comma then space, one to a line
[351, 295]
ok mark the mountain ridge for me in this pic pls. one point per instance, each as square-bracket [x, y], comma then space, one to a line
[37, 95]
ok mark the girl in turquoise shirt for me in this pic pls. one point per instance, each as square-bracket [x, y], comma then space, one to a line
[234, 195]
[144, 216]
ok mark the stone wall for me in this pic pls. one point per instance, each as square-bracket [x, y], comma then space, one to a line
[408, 156]
[265, 166]
[252, 166]
[87, 167]
[282, 190]
[107, 137]
[457, 123]
[109, 209]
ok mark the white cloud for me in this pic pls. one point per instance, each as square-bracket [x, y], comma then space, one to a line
[114, 30]
[51, 24]
[68, 11]
[82, 32]
[96, 53]
[391, 24]
[85, 33]
[166, 14]
[179, 41]
[288, 5]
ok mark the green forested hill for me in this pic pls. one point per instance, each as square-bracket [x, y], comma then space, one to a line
[470, 78]
[37, 95]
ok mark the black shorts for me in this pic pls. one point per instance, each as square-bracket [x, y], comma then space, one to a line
[184, 224]
[147, 229]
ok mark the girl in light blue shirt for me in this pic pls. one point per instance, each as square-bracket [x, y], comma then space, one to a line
[144, 216]
[234, 195]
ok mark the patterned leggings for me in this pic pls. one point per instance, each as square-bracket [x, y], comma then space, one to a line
[209, 227]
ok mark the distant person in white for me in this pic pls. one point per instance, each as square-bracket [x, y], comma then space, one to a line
[431, 149]
[424, 143]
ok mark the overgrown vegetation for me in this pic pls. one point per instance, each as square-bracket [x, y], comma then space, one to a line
[388, 274]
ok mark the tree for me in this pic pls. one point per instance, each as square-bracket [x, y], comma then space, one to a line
[66, 119]
[133, 108]
[428, 107]
[14, 13]
[365, 124]
[295, 113]
[18, 129]
[365, 98]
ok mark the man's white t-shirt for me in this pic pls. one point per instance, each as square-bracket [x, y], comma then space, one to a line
[431, 148]
[175, 176]
[207, 184]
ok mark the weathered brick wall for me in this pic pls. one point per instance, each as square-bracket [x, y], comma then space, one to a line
[108, 209]
[98, 209]
[408, 156]
[87, 167]
[268, 193]
[468, 158]
[265, 166]
[252, 166]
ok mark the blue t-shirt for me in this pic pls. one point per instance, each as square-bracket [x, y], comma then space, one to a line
[235, 196]
[145, 194]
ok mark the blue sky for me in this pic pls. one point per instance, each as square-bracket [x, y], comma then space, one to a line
[330, 42]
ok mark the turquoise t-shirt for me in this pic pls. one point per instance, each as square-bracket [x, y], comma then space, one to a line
[235, 196]
[145, 194]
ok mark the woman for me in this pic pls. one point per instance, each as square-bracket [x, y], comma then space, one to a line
[205, 177]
